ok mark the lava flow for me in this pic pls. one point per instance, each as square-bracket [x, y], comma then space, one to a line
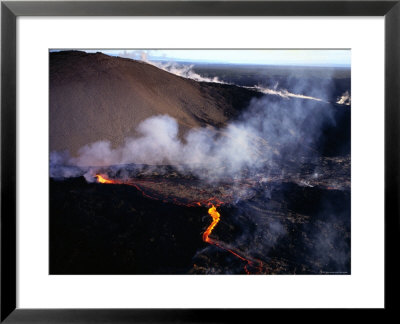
[212, 211]
[215, 216]
[101, 179]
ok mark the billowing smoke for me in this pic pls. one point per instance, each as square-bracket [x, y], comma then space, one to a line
[344, 99]
[186, 71]
[283, 93]
[60, 166]
[182, 70]
[316, 90]
[267, 133]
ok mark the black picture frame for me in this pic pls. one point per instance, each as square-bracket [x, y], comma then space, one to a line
[10, 10]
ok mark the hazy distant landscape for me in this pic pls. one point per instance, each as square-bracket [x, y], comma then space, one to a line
[310, 80]
[183, 167]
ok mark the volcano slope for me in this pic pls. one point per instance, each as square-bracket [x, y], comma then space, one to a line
[289, 215]
[98, 97]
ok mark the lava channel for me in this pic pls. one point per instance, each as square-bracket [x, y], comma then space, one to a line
[216, 216]
[212, 211]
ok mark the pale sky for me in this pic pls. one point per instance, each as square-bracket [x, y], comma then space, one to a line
[341, 57]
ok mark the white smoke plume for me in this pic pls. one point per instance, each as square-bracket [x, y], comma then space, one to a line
[265, 132]
[344, 99]
[187, 71]
[159, 144]
[182, 70]
[283, 93]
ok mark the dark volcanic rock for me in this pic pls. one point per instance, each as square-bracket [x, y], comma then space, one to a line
[113, 229]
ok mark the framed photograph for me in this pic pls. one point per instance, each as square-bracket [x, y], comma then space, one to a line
[162, 158]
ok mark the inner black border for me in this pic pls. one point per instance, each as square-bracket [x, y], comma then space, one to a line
[10, 10]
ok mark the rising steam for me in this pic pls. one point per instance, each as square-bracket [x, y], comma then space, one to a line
[344, 99]
[187, 71]
[268, 131]
[182, 70]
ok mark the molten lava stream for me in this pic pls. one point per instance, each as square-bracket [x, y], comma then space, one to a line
[101, 179]
[212, 211]
[216, 218]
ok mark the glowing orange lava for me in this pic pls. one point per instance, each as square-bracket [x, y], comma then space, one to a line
[215, 216]
[101, 179]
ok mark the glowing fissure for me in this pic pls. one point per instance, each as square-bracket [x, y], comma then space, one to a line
[141, 191]
[101, 179]
[212, 211]
[216, 217]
